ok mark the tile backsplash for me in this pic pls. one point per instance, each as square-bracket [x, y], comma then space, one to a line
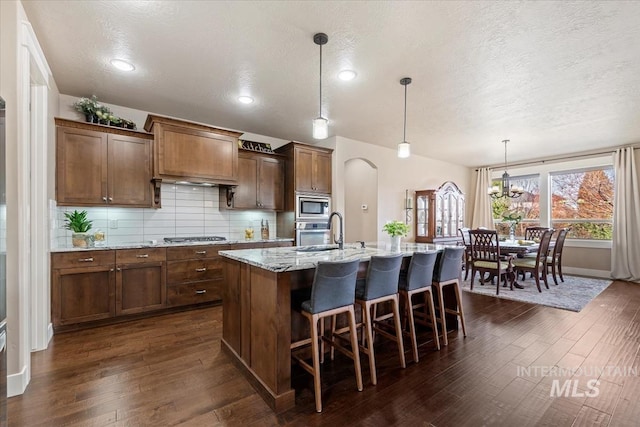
[186, 211]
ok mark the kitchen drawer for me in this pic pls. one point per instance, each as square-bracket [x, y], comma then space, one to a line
[132, 256]
[190, 252]
[194, 293]
[82, 259]
[196, 269]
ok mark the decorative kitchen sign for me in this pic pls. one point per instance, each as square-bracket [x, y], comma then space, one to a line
[255, 146]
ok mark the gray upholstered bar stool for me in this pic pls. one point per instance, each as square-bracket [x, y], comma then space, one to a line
[332, 293]
[418, 281]
[447, 273]
[380, 285]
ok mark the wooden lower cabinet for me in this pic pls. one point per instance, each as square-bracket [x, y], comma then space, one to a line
[98, 285]
[82, 287]
[140, 280]
[194, 274]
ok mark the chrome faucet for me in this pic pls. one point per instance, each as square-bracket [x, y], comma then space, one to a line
[340, 240]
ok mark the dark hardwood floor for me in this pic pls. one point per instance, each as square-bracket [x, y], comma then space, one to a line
[170, 370]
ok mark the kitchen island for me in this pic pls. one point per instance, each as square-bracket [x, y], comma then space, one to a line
[258, 324]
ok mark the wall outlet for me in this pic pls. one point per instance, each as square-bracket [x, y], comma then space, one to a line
[113, 223]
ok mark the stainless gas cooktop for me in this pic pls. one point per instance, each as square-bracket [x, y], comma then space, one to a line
[194, 239]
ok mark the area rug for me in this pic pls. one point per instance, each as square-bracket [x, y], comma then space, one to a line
[574, 294]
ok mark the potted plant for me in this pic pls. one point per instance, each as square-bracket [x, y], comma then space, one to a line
[396, 229]
[103, 114]
[88, 107]
[78, 223]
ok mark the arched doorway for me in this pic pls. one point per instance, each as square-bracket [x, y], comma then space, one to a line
[361, 200]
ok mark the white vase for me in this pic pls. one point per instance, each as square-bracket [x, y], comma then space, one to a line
[395, 243]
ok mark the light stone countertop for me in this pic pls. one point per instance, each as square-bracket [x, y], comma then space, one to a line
[162, 244]
[304, 257]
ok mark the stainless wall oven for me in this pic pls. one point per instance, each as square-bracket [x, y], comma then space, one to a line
[310, 208]
[310, 233]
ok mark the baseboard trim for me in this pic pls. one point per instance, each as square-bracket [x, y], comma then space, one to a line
[601, 274]
[17, 383]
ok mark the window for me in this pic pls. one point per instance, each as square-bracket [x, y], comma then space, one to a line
[583, 200]
[527, 206]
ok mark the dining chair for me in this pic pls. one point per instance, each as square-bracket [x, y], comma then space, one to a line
[536, 266]
[447, 273]
[418, 281]
[332, 293]
[555, 259]
[466, 241]
[533, 233]
[485, 258]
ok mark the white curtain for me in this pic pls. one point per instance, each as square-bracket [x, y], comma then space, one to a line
[482, 215]
[625, 252]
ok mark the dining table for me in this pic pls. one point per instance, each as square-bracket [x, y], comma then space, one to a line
[519, 247]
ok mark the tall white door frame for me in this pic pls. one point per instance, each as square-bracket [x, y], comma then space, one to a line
[33, 251]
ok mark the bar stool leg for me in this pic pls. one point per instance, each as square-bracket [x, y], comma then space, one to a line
[317, 384]
[396, 316]
[412, 325]
[354, 347]
[366, 317]
[443, 320]
[428, 296]
[460, 309]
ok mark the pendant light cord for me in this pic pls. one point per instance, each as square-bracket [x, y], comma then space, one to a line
[505, 155]
[404, 131]
[320, 100]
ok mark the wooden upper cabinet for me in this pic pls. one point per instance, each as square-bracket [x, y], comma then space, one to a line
[189, 151]
[260, 182]
[309, 170]
[98, 165]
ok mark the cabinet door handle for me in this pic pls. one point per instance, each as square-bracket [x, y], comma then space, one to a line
[86, 259]
[111, 199]
[201, 291]
[201, 252]
[142, 256]
[118, 269]
[111, 269]
[200, 270]
[104, 198]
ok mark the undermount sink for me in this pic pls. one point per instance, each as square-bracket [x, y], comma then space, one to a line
[315, 248]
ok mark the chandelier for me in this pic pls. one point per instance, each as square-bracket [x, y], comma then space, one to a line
[507, 190]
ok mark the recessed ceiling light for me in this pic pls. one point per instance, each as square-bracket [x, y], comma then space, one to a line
[245, 99]
[122, 65]
[347, 75]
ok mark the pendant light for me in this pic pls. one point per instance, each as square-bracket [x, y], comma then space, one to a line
[404, 148]
[320, 125]
[507, 190]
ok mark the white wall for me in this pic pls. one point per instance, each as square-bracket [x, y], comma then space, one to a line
[394, 177]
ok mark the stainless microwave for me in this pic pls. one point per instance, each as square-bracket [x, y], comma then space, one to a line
[312, 207]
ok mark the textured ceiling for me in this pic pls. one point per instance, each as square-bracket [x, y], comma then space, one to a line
[553, 77]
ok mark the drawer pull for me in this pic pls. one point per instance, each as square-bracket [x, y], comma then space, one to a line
[201, 291]
[86, 259]
[200, 270]
[201, 252]
[142, 256]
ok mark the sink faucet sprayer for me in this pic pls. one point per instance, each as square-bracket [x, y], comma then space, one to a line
[340, 240]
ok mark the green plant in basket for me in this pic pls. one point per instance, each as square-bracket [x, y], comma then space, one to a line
[77, 221]
[396, 228]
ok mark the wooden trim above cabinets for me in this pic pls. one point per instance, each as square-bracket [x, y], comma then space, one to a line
[101, 128]
[193, 152]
